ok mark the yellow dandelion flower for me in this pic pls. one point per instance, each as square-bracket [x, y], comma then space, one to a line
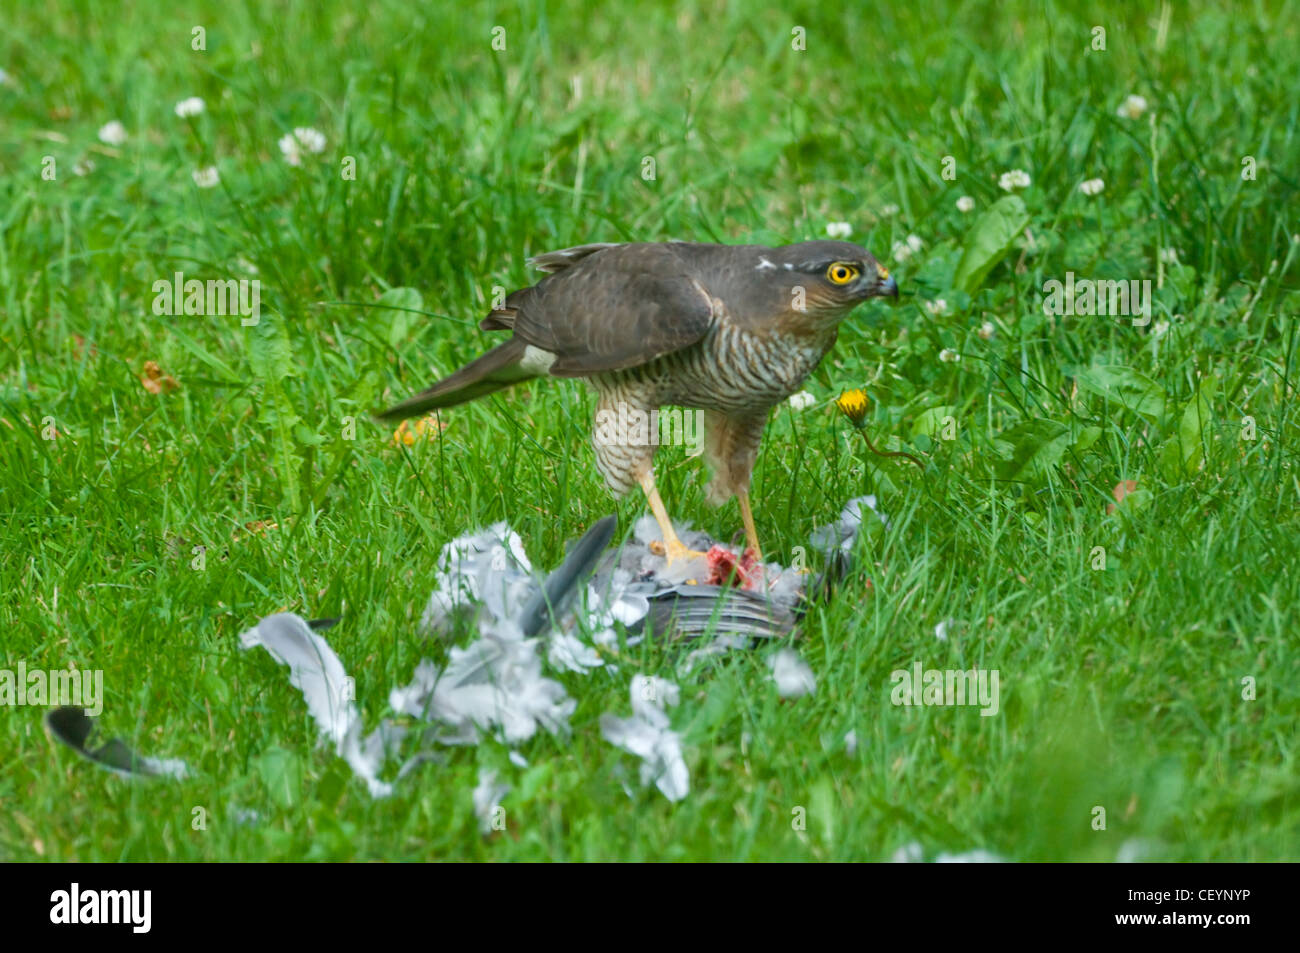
[853, 404]
[426, 427]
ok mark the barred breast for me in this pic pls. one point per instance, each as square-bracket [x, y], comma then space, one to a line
[731, 370]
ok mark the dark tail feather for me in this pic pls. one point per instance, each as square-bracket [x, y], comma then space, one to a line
[554, 595]
[496, 369]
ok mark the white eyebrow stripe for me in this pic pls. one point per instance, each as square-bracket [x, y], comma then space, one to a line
[764, 265]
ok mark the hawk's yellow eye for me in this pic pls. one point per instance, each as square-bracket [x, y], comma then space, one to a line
[840, 273]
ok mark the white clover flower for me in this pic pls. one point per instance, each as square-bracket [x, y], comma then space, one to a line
[949, 356]
[312, 140]
[290, 150]
[1091, 186]
[965, 204]
[906, 249]
[1132, 108]
[802, 400]
[1015, 179]
[84, 166]
[1159, 328]
[987, 330]
[888, 211]
[839, 229]
[112, 133]
[302, 139]
[937, 306]
[1169, 255]
[206, 177]
[190, 107]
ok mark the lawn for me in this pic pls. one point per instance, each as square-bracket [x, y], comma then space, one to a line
[1107, 514]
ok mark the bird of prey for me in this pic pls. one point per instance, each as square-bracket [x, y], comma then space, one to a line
[728, 330]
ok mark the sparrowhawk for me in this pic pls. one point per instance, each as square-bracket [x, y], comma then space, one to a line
[729, 330]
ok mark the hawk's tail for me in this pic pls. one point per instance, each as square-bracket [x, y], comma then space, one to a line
[498, 368]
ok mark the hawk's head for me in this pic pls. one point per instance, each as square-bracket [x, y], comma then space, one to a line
[838, 275]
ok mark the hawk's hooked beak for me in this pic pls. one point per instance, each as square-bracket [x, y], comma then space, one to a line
[886, 286]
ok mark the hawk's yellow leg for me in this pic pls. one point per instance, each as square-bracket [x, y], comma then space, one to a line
[674, 548]
[751, 534]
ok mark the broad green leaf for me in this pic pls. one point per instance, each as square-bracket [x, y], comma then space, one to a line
[271, 356]
[989, 240]
[1197, 423]
[281, 772]
[1186, 448]
[269, 350]
[1087, 437]
[1183, 280]
[1124, 386]
[278, 415]
[308, 437]
[1130, 509]
[215, 688]
[1034, 446]
[930, 422]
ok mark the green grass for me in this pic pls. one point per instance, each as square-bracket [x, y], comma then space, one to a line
[1121, 688]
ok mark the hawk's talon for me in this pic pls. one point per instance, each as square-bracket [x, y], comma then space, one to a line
[676, 549]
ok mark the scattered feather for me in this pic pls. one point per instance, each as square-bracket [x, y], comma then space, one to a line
[792, 675]
[914, 853]
[73, 727]
[487, 798]
[648, 736]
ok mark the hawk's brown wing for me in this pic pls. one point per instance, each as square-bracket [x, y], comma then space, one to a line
[610, 309]
[553, 261]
